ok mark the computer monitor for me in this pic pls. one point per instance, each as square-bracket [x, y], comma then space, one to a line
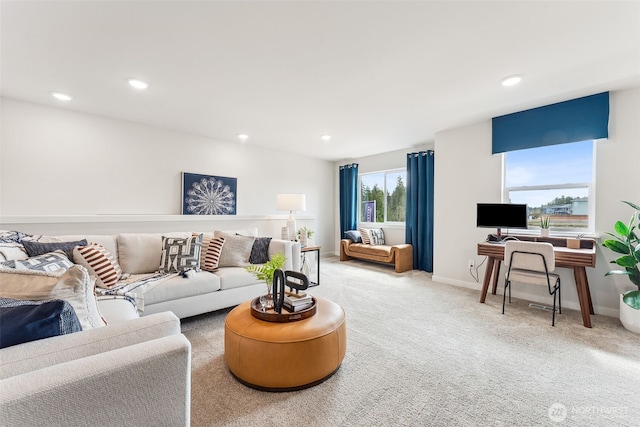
[501, 215]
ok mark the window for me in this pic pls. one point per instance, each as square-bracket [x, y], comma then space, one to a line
[554, 181]
[382, 196]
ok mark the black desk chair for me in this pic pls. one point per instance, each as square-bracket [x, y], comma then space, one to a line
[533, 263]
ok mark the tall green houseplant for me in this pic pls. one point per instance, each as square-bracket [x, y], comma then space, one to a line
[625, 241]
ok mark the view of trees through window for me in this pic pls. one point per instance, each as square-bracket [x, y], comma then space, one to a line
[383, 196]
[554, 181]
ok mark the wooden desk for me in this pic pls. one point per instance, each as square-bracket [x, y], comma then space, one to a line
[576, 259]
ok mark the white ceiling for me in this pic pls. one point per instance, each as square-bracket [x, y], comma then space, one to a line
[377, 76]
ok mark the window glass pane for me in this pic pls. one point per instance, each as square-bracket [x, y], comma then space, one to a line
[372, 198]
[554, 181]
[383, 196]
[555, 164]
[396, 196]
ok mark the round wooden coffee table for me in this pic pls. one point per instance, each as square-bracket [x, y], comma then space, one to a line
[285, 356]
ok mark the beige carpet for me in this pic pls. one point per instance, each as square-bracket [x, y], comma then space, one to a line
[421, 353]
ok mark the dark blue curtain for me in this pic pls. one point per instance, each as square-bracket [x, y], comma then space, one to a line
[576, 120]
[419, 226]
[348, 198]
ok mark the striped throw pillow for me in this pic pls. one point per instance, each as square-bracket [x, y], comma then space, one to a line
[366, 237]
[100, 263]
[212, 253]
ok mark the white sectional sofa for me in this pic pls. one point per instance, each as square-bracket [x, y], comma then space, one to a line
[139, 257]
[139, 254]
[130, 365]
[132, 373]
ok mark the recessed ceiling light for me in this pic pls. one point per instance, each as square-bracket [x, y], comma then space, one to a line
[243, 137]
[511, 80]
[61, 96]
[137, 83]
[325, 137]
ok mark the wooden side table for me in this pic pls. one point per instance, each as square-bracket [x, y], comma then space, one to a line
[303, 252]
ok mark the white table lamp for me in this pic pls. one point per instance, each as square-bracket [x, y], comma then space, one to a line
[291, 202]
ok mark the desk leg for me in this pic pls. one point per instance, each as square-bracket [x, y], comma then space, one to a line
[496, 274]
[487, 277]
[584, 296]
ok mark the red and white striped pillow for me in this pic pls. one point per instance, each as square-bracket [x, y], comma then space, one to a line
[99, 262]
[212, 248]
[366, 237]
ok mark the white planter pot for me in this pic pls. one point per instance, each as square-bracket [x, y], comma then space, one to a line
[630, 317]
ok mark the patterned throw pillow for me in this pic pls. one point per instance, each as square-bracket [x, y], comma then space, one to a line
[364, 233]
[180, 254]
[260, 250]
[50, 262]
[38, 248]
[376, 236]
[100, 263]
[212, 253]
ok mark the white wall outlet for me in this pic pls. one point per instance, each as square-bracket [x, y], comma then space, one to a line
[471, 263]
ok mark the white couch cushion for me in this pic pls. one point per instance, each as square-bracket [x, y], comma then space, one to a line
[116, 309]
[108, 241]
[236, 277]
[178, 287]
[139, 253]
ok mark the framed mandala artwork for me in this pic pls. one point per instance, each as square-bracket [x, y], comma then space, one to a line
[208, 194]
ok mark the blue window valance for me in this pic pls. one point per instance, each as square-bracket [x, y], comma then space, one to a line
[580, 119]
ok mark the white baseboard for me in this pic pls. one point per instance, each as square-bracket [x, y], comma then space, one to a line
[573, 305]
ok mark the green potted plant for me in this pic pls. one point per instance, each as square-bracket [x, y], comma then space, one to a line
[626, 242]
[305, 235]
[544, 226]
[265, 271]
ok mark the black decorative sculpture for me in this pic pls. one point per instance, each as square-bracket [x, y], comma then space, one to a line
[280, 279]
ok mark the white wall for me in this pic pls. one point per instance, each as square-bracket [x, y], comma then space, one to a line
[58, 162]
[467, 173]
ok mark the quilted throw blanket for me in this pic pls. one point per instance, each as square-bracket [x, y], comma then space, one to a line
[133, 287]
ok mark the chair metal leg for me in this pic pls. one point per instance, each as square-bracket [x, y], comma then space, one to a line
[559, 298]
[553, 316]
[504, 294]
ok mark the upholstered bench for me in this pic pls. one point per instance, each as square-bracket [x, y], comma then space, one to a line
[285, 356]
[400, 256]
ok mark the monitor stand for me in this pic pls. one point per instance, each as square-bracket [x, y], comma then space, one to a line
[496, 238]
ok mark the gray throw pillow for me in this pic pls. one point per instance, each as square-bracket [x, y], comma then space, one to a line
[37, 248]
[235, 251]
[260, 250]
[353, 235]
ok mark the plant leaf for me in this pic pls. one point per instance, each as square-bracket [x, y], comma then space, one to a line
[632, 299]
[634, 206]
[626, 261]
[621, 228]
[616, 246]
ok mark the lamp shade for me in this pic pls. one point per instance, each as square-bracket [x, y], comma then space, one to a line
[291, 202]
